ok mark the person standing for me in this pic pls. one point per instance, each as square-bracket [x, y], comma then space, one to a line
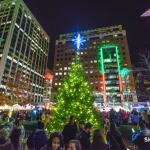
[15, 135]
[70, 130]
[39, 137]
[98, 141]
[114, 139]
[81, 129]
[85, 137]
[135, 118]
[22, 135]
[142, 138]
[146, 119]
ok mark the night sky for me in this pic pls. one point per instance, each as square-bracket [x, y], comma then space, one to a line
[63, 16]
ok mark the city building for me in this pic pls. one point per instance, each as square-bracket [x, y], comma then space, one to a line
[24, 47]
[106, 62]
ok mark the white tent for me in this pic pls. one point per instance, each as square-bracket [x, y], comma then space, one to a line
[17, 107]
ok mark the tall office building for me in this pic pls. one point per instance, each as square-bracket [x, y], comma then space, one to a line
[105, 56]
[24, 48]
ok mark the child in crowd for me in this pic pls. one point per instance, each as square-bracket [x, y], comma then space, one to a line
[55, 142]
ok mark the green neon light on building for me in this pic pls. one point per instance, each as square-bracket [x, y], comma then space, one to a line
[108, 46]
[118, 61]
[102, 61]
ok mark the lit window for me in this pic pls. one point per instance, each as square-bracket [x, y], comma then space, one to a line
[56, 73]
[65, 68]
[95, 61]
[56, 84]
[57, 64]
[91, 71]
[81, 53]
[60, 73]
[59, 83]
[91, 61]
[65, 73]
[60, 68]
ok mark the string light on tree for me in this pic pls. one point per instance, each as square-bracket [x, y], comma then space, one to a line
[75, 96]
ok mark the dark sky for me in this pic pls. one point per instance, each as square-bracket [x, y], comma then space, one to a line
[63, 16]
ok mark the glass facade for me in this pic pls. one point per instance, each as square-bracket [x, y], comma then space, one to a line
[28, 48]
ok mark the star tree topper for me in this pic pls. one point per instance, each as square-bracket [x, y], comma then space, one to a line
[78, 41]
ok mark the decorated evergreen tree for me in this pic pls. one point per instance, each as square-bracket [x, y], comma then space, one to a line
[75, 97]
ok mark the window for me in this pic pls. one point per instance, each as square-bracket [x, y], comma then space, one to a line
[65, 68]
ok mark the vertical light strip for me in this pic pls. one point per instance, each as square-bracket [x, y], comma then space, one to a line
[104, 85]
[102, 61]
[103, 74]
[120, 80]
[119, 68]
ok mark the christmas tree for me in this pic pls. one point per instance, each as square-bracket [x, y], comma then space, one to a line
[75, 97]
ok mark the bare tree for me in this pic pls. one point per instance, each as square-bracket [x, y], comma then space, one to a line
[145, 59]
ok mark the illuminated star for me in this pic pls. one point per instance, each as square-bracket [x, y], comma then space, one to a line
[78, 41]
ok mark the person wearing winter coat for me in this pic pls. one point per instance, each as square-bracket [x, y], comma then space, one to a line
[15, 135]
[85, 137]
[114, 139]
[98, 142]
[135, 118]
[22, 135]
[80, 129]
[39, 137]
[70, 130]
[142, 137]
[5, 142]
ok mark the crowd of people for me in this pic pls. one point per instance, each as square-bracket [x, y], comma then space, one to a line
[75, 136]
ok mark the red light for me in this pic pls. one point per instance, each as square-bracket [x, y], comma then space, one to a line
[49, 75]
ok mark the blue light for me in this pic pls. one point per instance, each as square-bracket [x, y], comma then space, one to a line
[78, 41]
[34, 111]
